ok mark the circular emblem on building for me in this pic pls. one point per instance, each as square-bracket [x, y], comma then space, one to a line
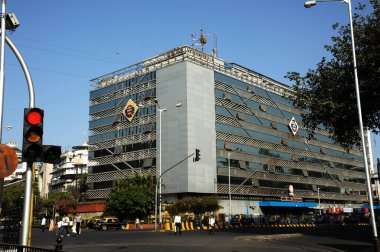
[293, 125]
[130, 110]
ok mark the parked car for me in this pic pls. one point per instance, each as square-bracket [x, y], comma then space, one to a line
[110, 223]
[91, 224]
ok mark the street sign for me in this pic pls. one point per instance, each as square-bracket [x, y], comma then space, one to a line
[8, 161]
[293, 125]
[130, 110]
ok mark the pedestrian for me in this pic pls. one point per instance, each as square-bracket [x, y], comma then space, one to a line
[59, 229]
[137, 223]
[177, 224]
[78, 220]
[211, 223]
[65, 224]
[43, 224]
[51, 225]
[226, 221]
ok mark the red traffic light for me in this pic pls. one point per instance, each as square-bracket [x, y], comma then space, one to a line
[32, 135]
[34, 116]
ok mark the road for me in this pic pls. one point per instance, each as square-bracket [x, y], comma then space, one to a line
[353, 239]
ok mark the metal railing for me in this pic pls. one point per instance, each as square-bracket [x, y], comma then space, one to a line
[19, 248]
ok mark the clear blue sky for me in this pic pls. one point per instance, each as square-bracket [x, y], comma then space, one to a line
[67, 43]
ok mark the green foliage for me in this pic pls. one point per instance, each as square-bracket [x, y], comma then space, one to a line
[61, 201]
[196, 205]
[132, 198]
[328, 92]
[13, 196]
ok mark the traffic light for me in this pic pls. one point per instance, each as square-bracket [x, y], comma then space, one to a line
[51, 154]
[197, 155]
[32, 134]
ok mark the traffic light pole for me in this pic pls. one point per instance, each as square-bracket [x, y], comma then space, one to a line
[158, 183]
[2, 57]
[28, 176]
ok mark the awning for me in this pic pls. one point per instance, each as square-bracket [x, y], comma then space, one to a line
[374, 206]
[286, 204]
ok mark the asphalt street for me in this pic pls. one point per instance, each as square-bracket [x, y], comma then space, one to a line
[353, 239]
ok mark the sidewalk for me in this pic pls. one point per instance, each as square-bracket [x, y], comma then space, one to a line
[142, 226]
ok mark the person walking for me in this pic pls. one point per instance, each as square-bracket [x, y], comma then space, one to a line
[65, 224]
[177, 224]
[51, 225]
[59, 229]
[137, 223]
[78, 221]
[211, 223]
[43, 224]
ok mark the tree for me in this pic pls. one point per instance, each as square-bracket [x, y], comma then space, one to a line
[13, 195]
[132, 197]
[60, 201]
[197, 205]
[62, 206]
[327, 94]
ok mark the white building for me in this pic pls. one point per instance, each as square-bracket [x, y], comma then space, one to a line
[71, 167]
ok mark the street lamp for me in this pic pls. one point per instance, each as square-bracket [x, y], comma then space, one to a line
[309, 4]
[229, 182]
[160, 163]
[319, 202]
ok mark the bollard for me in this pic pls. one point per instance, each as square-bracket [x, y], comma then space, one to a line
[59, 246]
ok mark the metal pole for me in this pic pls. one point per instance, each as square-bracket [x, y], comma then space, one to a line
[2, 55]
[319, 201]
[159, 178]
[229, 183]
[28, 174]
[368, 179]
[2, 59]
[27, 205]
[155, 207]
[25, 69]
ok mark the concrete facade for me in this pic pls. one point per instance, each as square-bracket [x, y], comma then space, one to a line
[184, 128]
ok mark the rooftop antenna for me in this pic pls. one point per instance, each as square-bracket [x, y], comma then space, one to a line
[199, 42]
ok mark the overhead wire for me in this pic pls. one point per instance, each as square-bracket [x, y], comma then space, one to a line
[70, 49]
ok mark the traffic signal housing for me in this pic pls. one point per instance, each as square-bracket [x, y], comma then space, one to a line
[197, 155]
[51, 154]
[32, 134]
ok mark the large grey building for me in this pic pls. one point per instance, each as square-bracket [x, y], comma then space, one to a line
[255, 153]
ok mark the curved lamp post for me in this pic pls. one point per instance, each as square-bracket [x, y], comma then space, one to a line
[309, 4]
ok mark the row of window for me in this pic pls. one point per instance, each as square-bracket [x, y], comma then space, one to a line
[125, 148]
[278, 140]
[135, 130]
[284, 170]
[220, 110]
[283, 185]
[122, 85]
[281, 155]
[244, 86]
[256, 105]
[136, 97]
[141, 163]
[144, 111]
